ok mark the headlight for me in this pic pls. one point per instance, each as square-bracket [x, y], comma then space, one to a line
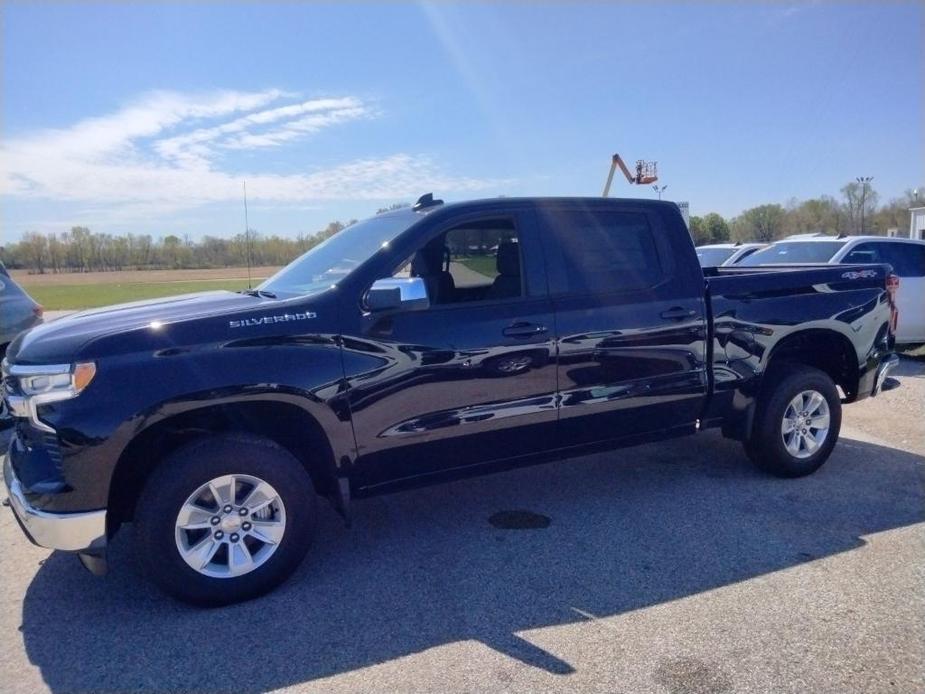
[28, 386]
[61, 379]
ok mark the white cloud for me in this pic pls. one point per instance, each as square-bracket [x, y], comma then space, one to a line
[165, 152]
[296, 128]
[239, 133]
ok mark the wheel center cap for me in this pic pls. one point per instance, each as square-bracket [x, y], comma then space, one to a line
[231, 523]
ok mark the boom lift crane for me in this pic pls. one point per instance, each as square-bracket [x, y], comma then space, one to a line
[645, 172]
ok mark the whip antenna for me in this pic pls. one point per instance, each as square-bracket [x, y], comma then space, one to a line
[247, 238]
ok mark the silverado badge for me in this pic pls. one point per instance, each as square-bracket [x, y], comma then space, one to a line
[266, 320]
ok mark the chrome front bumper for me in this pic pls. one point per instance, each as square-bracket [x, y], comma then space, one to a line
[883, 371]
[72, 532]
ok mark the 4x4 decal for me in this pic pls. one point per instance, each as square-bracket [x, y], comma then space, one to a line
[858, 274]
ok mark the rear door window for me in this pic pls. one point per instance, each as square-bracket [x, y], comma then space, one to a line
[914, 253]
[863, 253]
[603, 252]
[907, 259]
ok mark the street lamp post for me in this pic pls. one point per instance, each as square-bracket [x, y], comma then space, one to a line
[659, 190]
[865, 182]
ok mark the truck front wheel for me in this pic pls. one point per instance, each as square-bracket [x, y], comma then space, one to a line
[797, 421]
[224, 519]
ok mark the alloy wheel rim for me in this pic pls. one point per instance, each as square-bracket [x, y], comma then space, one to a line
[230, 526]
[805, 425]
[514, 364]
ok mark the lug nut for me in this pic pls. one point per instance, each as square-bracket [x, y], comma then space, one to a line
[227, 508]
[215, 520]
[218, 535]
[245, 527]
[234, 537]
[242, 511]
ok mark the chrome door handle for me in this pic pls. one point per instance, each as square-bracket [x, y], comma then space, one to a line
[678, 313]
[523, 330]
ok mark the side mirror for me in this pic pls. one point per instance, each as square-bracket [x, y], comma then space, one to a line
[397, 292]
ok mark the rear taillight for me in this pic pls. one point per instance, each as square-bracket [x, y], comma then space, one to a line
[892, 288]
[38, 310]
[892, 284]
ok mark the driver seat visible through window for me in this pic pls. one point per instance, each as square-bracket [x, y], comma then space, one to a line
[428, 264]
[507, 283]
[476, 261]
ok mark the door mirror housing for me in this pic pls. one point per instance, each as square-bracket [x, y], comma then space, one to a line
[397, 292]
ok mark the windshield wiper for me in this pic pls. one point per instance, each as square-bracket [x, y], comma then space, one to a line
[259, 292]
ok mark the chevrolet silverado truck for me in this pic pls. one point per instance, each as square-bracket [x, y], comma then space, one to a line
[419, 345]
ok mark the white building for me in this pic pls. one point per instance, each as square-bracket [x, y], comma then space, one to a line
[917, 223]
[685, 208]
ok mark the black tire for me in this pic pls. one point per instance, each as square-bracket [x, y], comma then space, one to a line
[180, 475]
[766, 445]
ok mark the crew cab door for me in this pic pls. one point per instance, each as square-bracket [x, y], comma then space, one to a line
[628, 297]
[470, 379]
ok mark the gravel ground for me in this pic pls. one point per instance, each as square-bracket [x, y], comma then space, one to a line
[666, 568]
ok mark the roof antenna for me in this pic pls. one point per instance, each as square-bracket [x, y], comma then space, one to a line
[247, 238]
[425, 201]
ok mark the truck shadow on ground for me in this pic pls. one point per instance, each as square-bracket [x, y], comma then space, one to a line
[424, 568]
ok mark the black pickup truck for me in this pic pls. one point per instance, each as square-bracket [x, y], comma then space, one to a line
[419, 345]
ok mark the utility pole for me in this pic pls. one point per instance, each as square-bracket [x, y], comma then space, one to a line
[659, 190]
[865, 182]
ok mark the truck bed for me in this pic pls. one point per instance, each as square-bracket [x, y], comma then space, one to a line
[769, 277]
[840, 314]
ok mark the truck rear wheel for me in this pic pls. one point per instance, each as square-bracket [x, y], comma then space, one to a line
[224, 519]
[797, 421]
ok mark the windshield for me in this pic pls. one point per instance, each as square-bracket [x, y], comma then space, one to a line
[713, 257]
[795, 252]
[330, 261]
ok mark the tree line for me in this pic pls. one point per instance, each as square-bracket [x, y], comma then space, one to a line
[82, 250]
[857, 211]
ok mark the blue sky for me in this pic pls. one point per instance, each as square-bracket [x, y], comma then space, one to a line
[146, 118]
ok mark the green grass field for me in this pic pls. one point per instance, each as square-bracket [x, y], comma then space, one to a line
[92, 290]
[79, 296]
[483, 264]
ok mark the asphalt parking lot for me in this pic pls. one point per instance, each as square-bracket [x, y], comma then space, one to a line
[673, 568]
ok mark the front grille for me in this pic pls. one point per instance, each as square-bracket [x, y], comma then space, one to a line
[24, 432]
[45, 440]
[9, 386]
[36, 456]
[7, 383]
[51, 444]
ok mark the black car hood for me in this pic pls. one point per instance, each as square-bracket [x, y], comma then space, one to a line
[64, 339]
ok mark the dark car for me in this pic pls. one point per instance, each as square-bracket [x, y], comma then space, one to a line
[420, 345]
[18, 311]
